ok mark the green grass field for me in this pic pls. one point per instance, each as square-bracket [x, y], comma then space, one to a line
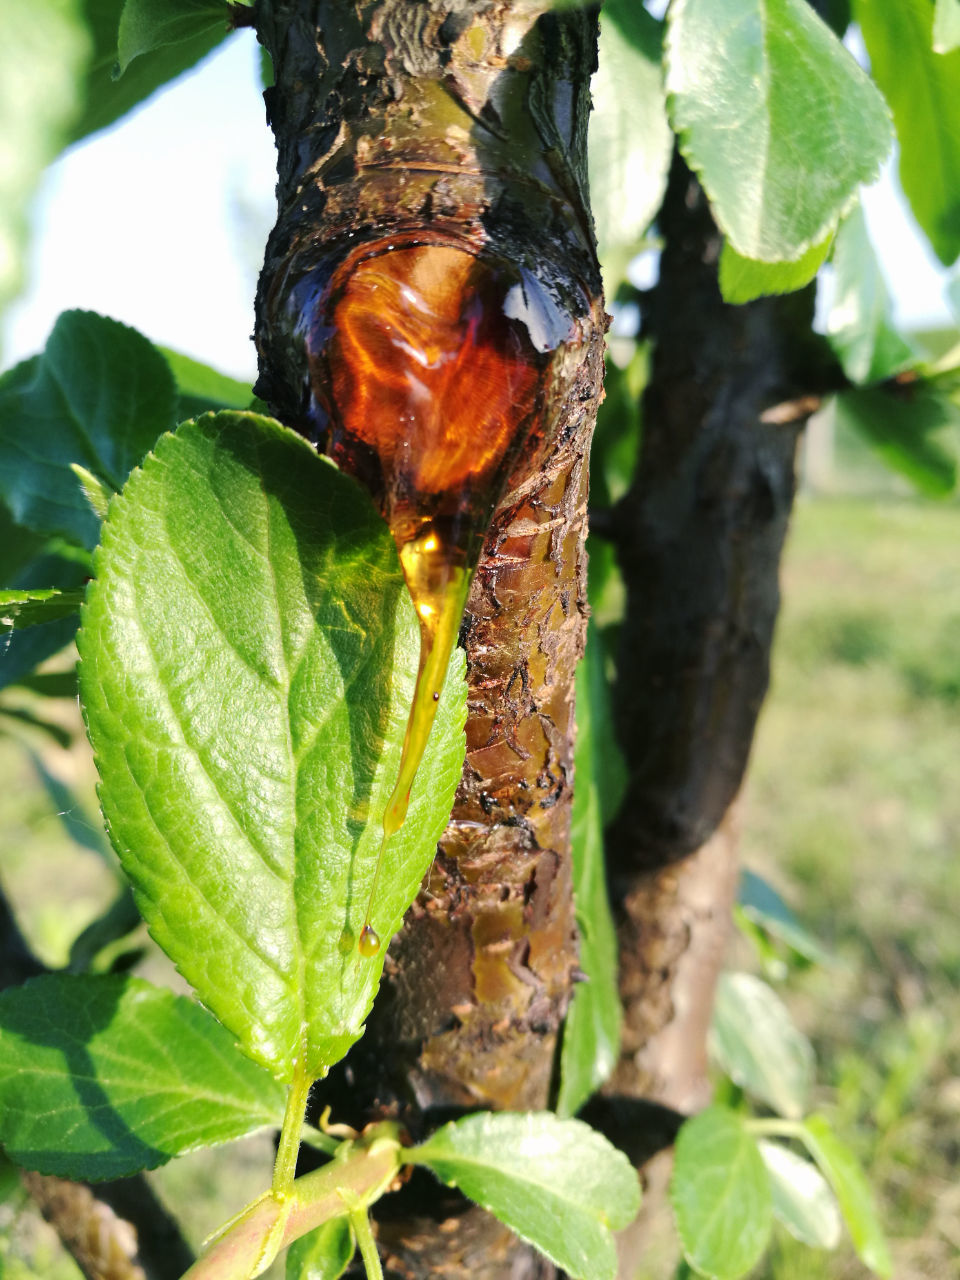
[851, 809]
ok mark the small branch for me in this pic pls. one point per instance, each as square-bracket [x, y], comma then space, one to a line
[788, 411]
[360, 1178]
[360, 1222]
[103, 1245]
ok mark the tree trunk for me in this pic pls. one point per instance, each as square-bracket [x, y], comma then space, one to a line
[459, 125]
[699, 538]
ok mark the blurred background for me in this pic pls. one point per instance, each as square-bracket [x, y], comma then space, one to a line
[851, 808]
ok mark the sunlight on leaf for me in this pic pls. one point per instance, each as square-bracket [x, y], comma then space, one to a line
[754, 1040]
[104, 1076]
[248, 655]
[557, 1183]
[775, 117]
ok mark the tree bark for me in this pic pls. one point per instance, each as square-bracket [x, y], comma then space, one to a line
[459, 123]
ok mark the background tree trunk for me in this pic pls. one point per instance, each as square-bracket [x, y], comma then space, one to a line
[699, 538]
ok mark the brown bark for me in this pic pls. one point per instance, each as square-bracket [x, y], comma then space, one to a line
[103, 1245]
[463, 123]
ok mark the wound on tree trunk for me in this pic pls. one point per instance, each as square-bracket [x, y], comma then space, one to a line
[431, 198]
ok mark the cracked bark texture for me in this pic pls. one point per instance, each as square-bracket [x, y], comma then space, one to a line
[461, 122]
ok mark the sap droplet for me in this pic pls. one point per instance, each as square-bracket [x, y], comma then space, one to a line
[369, 943]
[429, 369]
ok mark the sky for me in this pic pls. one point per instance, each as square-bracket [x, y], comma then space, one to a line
[160, 222]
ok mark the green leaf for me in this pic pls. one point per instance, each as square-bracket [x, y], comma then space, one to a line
[267, 77]
[322, 1254]
[52, 684]
[248, 656]
[859, 325]
[744, 279]
[24, 716]
[946, 26]
[203, 389]
[119, 920]
[761, 903]
[95, 491]
[22, 567]
[591, 1033]
[839, 1166]
[22, 651]
[108, 98]
[630, 137]
[558, 1184]
[43, 51]
[19, 547]
[25, 608]
[911, 426]
[923, 90]
[146, 25]
[776, 118]
[721, 1195]
[753, 1039]
[101, 1077]
[10, 1184]
[802, 1201]
[99, 395]
[772, 963]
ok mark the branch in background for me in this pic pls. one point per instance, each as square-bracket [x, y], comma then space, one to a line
[120, 1230]
[103, 1245]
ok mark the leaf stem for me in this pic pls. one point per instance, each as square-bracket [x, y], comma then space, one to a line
[285, 1169]
[360, 1222]
[269, 1223]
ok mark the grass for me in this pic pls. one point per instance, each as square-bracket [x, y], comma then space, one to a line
[852, 809]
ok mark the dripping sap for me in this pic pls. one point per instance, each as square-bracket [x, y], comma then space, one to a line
[428, 373]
